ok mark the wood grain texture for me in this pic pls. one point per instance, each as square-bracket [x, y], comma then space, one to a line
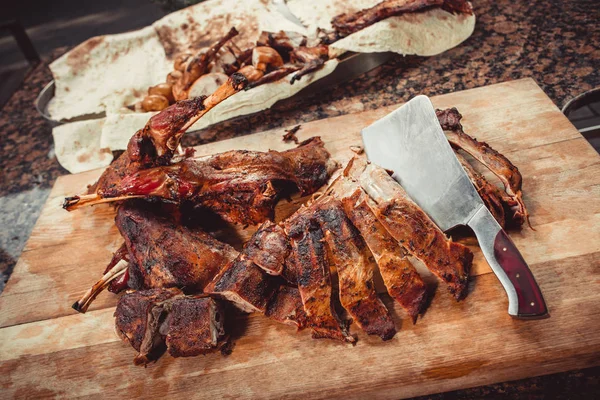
[47, 349]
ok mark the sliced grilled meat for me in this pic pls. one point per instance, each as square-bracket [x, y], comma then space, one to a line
[314, 281]
[498, 164]
[415, 231]
[401, 279]
[352, 260]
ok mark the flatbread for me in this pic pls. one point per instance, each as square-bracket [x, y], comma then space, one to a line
[261, 97]
[119, 128]
[106, 73]
[77, 146]
[424, 33]
[199, 26]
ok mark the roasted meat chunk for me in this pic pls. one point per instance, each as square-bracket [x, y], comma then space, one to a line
[244, 284]
[194, 326]
[165, 253]
[241, 186]
[268, 248]
[157, 319]
[137, 321]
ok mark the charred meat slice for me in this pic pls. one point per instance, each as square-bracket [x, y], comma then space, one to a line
[194, 326]
[401, 279]
[314, 281]
[167, 254]
[415, 231]
[268, 248]
[494, 161]
[138, 324]
[346, 24]
[244, 284]
[286, 307]
[241, 186]
[352, 260]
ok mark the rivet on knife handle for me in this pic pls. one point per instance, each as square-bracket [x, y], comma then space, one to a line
[525, 299]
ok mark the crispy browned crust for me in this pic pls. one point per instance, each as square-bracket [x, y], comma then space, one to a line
[244, 284]
[494, 161]
[286, 307]
[167, 254]
[345, 24]
[195, 326]
[314, 281]
[352, 260]
[401, 279]
[131, 314]
[268, 248]
[241, 186]
[489, 193]
[415, 231]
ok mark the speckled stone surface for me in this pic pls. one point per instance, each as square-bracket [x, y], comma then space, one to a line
[557, 43]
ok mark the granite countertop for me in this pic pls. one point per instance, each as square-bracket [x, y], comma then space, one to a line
[554, 42]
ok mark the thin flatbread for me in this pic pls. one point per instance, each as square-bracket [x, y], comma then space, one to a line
[194, 28]
[77, 146]
[424, 33]
[107, 73]
[118, 129]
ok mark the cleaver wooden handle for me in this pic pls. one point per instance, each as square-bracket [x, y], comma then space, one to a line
[525, 298]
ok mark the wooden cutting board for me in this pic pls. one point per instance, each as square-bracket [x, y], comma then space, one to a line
[47, 349]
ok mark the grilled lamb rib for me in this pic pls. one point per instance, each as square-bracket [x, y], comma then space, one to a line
[241, 186]
[498, 164]
[156, 143]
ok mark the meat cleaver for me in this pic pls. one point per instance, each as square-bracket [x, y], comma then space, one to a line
[410, 142]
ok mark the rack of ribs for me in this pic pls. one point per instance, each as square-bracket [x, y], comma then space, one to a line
[241, 186]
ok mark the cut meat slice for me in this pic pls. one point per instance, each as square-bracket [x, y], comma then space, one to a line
[244, 284]
[314, 281]
[415, 231]
[401, 279]
[286, 307]
[268, 248]
[166, 253]
[194, 326]
[352, 260]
